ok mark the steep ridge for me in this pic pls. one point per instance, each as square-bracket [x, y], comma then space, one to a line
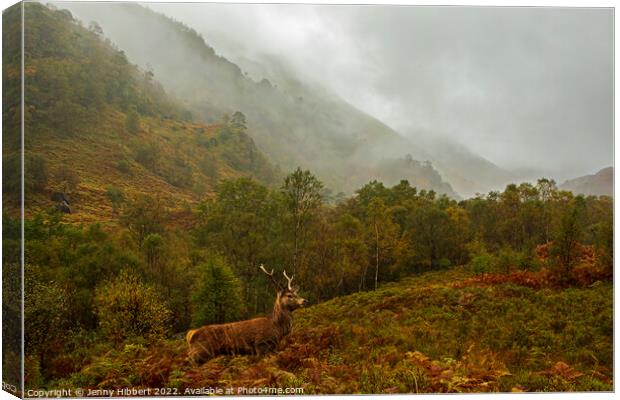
[294, 124]
[599, 184]
[94, 121]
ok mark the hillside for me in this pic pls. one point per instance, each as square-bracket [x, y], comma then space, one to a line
[439, 332]
[422, 175]
[94, 121]
[599, 184]
[467, 172]
[293, 123]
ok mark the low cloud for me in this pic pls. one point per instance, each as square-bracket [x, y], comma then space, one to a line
[522, 87]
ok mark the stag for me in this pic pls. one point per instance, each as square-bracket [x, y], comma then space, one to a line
[255, 336]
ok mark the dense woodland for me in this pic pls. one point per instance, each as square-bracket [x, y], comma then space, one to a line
[172, 219]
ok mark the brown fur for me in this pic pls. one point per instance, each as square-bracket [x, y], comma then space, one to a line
[254, 336]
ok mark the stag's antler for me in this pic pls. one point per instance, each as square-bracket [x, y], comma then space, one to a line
[290, 287]
[270, 275]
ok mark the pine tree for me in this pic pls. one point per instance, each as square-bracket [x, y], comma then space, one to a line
[217, 298]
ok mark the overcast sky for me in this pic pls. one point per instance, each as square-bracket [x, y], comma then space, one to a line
[523, 87]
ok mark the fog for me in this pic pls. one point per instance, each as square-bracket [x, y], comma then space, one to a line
[529, 89]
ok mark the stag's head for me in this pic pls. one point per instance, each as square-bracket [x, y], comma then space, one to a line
[288, 298]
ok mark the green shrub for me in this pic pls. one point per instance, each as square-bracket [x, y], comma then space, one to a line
[148, 155]
[509, 260]
[482, 263]
[116, 196]
[126, 308]
[123, 166]
[444, 263]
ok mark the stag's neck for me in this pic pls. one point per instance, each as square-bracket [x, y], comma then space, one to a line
[282, 319]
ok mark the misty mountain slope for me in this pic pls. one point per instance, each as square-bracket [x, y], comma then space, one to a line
[95, 121]
[295, 125]
[599, 184]
[467, 172]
